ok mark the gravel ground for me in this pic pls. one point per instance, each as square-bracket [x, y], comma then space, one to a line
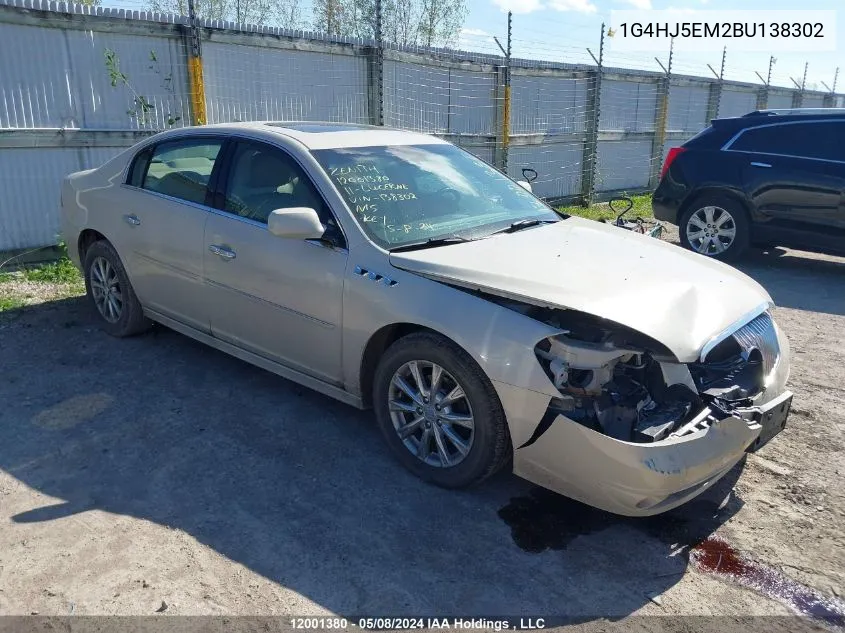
[157, 475]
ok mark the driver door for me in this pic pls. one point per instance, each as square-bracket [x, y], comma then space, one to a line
[276, 297]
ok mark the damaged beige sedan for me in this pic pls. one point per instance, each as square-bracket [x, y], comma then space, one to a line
[395, 271]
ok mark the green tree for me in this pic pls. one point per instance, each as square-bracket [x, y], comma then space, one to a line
[283, 13]
[404, 22]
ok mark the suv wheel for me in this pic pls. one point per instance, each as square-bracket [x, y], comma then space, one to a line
[439, 413]
[716, 226]
[111, 293]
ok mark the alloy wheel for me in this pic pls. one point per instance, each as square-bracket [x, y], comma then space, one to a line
[711, 230]
[105, 289]
[431, 414]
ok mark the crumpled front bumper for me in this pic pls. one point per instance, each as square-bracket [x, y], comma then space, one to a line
[633, 479]
[624, 477]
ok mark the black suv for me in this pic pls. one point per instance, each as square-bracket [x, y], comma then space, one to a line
[773, 177]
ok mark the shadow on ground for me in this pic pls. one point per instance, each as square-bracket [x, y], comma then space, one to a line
[300, 488]
[799, 280]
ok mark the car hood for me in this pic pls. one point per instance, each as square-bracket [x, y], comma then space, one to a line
[678, 298]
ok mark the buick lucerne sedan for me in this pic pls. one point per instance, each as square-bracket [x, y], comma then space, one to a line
[395, 271]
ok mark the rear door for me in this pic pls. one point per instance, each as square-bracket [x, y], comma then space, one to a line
[794, 173]
[276, 297]
[164, 215]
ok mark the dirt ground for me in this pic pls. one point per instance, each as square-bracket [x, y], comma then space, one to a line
[156, 475]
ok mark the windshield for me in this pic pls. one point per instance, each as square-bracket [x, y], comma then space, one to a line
[407, 194]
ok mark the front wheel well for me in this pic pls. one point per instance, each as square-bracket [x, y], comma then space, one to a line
[375, 348]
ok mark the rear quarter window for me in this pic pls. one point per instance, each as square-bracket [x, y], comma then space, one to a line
[806, 139]
[182, 168]
[139, 168]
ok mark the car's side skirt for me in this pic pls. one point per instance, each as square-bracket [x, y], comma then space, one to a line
[259, 361]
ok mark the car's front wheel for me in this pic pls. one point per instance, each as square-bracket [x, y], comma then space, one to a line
[716, 226]
[111, 293]
[439, 412]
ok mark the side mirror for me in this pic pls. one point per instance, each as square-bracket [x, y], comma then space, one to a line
[297, 223]
[525, 185]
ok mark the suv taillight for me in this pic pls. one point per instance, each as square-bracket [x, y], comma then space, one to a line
[670, 158]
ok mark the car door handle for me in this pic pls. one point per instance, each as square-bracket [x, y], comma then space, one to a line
[132, 220]
[763, 165]
[222, 251]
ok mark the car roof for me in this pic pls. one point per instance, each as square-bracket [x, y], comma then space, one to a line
[319, 135]
[783, 115]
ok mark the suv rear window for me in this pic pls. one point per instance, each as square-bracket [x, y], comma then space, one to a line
[807, 139]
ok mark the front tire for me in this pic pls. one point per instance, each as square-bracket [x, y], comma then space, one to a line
[439, 413]
[110, 292]
[716, 226]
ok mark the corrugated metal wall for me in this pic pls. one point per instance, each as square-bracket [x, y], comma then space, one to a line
[736, 102]
[54, 78]
[29, 191]
[439, 100]
[687, 108]
[552, 110]
[250, 83]
[779, 100]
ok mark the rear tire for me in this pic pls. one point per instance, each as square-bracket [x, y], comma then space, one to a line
[455, 456]
[110, 292]
[716, 226]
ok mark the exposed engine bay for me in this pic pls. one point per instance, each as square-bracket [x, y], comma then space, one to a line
[621, 383]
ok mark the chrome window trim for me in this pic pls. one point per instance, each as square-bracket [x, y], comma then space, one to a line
[820, 160]
[727, 146]
[733, 327]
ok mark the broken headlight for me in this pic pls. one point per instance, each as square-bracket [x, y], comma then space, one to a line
[620, 392]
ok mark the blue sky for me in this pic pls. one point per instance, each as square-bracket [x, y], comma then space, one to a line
[562, 29]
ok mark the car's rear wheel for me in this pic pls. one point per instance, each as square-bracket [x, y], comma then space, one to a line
[716, 226]
[111, 293]
[439, 412]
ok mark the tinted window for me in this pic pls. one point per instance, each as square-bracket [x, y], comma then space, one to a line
[182, 169]
[812, 140]
[139, 168]
[264, 178]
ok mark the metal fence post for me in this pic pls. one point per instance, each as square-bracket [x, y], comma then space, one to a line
[798, 96]
[195, 76]
[763, 93]
[661, 120]
[829, 100]
[375, 70]
[714, 101]
[589, 163]
[503, 99]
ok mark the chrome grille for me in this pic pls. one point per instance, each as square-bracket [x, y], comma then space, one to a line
[760, 335]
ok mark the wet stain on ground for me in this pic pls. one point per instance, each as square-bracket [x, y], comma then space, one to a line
[716, 556]
[544, 521]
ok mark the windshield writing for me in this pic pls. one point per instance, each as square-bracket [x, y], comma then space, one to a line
[404, 194]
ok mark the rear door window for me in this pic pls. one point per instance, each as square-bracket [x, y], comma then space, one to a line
[809, 139]
[182, 169]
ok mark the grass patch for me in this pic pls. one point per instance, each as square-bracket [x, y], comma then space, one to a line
[59, 272]
[40, 283]
[11, 303]
[602, 211]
